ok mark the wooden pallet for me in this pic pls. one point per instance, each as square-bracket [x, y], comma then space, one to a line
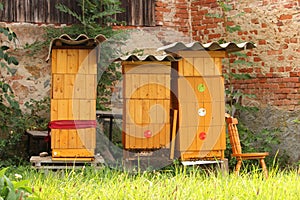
[74, 163]
[223, 164]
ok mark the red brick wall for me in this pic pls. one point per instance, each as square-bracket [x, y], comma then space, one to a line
[272, 24]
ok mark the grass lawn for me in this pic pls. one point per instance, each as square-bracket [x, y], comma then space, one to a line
[176, 183]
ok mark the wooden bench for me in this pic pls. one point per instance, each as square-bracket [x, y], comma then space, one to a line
[37, 136]
[75, 163]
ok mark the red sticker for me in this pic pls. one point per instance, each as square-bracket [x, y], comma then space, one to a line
[147, 134]
[202, 136]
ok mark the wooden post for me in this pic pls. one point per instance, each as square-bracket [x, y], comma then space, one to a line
[173, 139]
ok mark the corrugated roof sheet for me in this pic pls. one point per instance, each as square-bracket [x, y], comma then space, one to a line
[148, 58]
[81, 40]
[213, 46]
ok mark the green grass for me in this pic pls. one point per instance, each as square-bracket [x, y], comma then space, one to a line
[177, 183]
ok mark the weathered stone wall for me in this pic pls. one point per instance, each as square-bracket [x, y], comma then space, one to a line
[274, 26]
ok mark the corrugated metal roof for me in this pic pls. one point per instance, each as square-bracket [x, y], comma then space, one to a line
[81, 40]
[213, 46]
[148, 58]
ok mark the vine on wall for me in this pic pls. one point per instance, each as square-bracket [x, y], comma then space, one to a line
[265, 140]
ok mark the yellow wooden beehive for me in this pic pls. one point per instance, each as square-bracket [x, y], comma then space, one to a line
[146, 118]
[73, 98]
[191, 83]
[199, 90]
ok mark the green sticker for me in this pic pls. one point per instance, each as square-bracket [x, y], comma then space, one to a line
[201, 87]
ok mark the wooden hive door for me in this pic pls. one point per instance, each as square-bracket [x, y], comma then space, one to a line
[201, 105]
[146, 120]
[73, 99]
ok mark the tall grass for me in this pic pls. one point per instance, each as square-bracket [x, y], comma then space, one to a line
[177, 183]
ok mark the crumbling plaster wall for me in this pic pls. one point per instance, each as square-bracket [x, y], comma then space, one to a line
[32, 78]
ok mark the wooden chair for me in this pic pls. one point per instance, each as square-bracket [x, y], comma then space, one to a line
[237, 149]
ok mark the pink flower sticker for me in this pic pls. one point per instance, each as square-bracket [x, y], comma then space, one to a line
[202, 136]
[147, 134]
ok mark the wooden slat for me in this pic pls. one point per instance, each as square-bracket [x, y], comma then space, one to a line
[41, 12]
[198, 83]
[180, 67]
[199, 142]
[133, 140]
[68, 86]
[183, 86]
[218, 64]
[63, 139]
[92, 59]
[148, 143]
[91, 85]
[54, 61]
[152, 86]
[146, 67]
[21, 10]
[83, 61]
[58, 89]
[192, 135]
[127, 85]
[29, 11]
[219, 107]
[73, 139]
[72, 153]
[54, 110]
[130, 111]
[207, 119]
[138, 112]
[80, 87]
[221, 138]
[82, 137]
[215, 85]
[167, 86]
[183, 137]
[155, 140]
[156, 111]
[144, 86]
[209, 67]
[93, 138]
[76, 109]
[62, 61]
[199, 69]
[70, 115]
[188, 67]
[63, 109]
[127, 141]
[47, 11]
[73, 61]
[35, 11]
[85, 111]
[167, 107]
[135, 84]
[88, 138]
[145, 106]
[55, 139]
[93, 110]
[202, 54]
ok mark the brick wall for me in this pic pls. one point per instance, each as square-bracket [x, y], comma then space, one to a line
[272, 24]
